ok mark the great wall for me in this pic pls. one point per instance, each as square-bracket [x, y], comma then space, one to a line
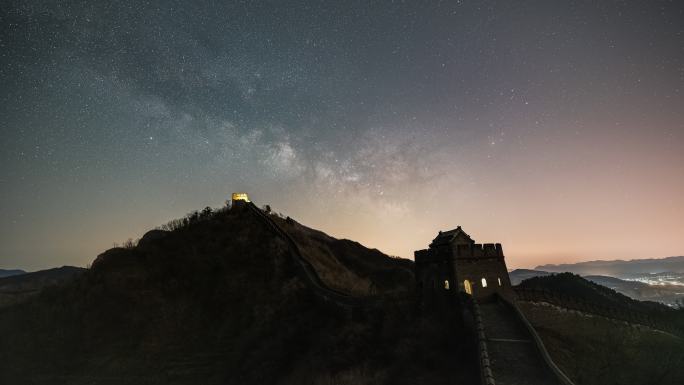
[509, 349]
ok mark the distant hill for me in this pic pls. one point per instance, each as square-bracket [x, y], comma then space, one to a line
[576, 287]
[620, 268]
[217, 298]
[668, 294]
[17, 288]
[519, 275]
[9, 273]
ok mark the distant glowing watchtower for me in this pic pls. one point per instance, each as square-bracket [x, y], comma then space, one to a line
[239, 199]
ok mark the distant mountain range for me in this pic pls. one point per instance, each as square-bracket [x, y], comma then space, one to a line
[642, 287]
[620, 268]
[9, 273]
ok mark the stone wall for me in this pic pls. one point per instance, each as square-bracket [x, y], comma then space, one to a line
[492, 269]
[442, 270]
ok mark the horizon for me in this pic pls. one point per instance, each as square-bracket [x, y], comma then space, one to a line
[508, 258]
[553, 129]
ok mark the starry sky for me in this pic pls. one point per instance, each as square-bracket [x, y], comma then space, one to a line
[553, 127]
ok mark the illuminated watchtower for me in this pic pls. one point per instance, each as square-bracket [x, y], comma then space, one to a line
[454, 262]
[239, 199]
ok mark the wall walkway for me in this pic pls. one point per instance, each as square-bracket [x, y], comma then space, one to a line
[305, 269]
[513, 352]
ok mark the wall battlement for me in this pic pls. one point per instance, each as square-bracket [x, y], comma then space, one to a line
[454, 262]
[477, 250]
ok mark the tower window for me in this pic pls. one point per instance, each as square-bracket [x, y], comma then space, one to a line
[484, 282]
[468, 288]
[499, 279]
[446, 284]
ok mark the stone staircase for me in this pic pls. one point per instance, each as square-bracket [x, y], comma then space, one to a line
[513, 354]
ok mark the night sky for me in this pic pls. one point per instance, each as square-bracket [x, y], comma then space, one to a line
[553, 127]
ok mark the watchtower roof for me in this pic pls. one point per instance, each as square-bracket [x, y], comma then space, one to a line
[446, 237]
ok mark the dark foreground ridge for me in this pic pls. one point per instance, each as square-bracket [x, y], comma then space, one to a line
[220, 297]
[247, 296]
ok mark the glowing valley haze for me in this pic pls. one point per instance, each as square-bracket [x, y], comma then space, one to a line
[555, 128]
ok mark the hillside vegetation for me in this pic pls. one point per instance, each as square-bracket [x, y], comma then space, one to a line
[217, 300]
[594, 349]
[347, 265]
[578, 288]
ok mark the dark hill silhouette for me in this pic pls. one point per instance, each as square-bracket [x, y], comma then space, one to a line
[8, 273]
[519, 275]
[578, 288]
[669, 294]
[17, 288]
[219, 300]
[347, 265]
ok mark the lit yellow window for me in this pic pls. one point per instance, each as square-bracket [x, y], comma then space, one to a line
[446, 284]
[468, 288]
[484, 282]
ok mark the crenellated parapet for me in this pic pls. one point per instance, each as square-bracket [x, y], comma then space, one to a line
[454, 262]
[477, 250]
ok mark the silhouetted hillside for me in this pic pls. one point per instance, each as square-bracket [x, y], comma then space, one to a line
[218, 300]
[17, 288]
[8, 273]
[578, 288]
[349, 266]
[669, 294]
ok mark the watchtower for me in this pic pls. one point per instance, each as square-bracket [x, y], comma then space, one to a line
[454, 262]
[238, 199]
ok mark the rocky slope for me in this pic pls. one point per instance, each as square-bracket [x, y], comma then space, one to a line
[218, 300]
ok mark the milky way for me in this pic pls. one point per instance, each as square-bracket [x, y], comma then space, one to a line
[556, 128]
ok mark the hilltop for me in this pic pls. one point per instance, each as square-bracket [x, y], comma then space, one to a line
[578, 288]
[666, 293]
[217, 296]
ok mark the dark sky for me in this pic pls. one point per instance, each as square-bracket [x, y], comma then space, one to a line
[556, 128]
